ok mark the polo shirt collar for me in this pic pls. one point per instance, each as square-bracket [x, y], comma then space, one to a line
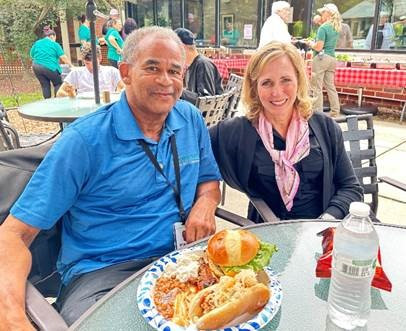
[126, 125]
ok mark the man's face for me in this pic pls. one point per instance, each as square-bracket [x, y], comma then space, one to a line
[285, 14]
[154, 78]
[89, 64]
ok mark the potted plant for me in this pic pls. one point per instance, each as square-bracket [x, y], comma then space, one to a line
[343, 59]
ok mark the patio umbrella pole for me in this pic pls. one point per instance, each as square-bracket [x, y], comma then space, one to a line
[90, 9]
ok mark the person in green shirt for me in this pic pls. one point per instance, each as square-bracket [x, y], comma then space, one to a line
[230, 35]
[114, 42]
[46, 54]
[324, 61]
[84, 32]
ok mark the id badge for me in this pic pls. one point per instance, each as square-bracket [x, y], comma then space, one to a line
[178, 230]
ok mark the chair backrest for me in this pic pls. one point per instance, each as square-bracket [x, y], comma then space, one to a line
[234, 81]
[16, 169]
[8, 135]
[359, 140]
[214, 107]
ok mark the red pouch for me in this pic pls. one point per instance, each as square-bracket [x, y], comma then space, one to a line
[323, 268]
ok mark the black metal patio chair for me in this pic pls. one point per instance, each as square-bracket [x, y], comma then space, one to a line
[359, 138]
[234, 81]
[9, 138]
[214, 107]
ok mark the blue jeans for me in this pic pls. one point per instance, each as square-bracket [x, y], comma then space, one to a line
[45, 77]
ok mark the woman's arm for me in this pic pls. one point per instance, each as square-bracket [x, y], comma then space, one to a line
[317, 46]
[64, 59]
[114, 43]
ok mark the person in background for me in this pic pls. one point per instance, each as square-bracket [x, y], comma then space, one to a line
[46, 54]
[84, 32]
[385, 34]
[114, 42]
[345, 37]
[202, 77]
[275, 27]
[230, 35]
[113, 15]
[280, 151]
[324, 61]
[115, 221]
[317, 21]
[80, 80]
[129, 26]
[193, 24]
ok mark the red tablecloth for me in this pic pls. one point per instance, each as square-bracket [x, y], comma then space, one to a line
[223, 65]
[362, 77]
[365, 77]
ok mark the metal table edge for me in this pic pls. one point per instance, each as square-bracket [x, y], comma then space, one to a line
[123, 284]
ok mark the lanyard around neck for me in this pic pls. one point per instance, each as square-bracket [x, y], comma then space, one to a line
[177, 189]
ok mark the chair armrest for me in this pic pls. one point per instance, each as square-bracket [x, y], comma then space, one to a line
[393, 182]
[233, 218]
[41, 312]
[264, 211]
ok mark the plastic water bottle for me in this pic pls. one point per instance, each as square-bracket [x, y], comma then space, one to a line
[354, 259]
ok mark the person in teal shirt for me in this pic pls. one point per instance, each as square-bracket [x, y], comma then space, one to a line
[84, 31]
[230, 35]
[46, 54]
[114, 42]
[324, 61]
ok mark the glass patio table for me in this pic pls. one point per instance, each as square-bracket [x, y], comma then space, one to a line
[64, 109]
[304, 304]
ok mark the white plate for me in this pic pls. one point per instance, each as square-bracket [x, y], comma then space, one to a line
[150, 313]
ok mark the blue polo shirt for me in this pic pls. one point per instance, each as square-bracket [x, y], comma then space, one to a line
[115, 206]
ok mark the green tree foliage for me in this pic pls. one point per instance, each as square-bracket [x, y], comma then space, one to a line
[22, 22]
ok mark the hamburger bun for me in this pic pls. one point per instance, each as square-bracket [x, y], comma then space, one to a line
[229, 248]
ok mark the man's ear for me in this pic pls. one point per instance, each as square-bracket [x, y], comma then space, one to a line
[125, 72]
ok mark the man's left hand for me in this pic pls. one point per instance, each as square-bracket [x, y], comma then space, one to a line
[201, 221]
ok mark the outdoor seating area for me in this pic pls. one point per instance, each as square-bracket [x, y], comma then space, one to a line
[364, 147]
[175, 166]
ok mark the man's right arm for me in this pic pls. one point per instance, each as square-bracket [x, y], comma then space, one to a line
[66, 90]
[15, 257]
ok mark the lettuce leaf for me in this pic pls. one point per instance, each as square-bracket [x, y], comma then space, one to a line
[259, 262]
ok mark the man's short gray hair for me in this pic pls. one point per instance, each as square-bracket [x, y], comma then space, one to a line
[279, 5]
[132, 41]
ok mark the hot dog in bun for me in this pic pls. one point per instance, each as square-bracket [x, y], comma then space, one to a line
[219, 304]
[230, 251]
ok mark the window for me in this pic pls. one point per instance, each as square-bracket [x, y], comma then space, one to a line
[200, 18]
[359, 18]
[142, 12]
[390, 33]
[298, 28]
[169, 13]
[238, 23]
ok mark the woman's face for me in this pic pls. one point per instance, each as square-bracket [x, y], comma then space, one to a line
[325, 15]
[277, 87]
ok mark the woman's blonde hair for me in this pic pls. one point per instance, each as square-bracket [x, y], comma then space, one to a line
[258, 61]
[335, 21]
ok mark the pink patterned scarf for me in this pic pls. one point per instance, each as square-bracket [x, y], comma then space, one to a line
[297, 148]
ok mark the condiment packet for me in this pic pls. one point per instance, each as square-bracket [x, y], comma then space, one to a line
[323, 267]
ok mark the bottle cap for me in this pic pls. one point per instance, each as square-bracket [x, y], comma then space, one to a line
[359, 209]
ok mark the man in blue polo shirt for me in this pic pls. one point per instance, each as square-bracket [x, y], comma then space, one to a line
[113, 179]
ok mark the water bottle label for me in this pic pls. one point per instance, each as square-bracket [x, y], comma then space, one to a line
[355, 268]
